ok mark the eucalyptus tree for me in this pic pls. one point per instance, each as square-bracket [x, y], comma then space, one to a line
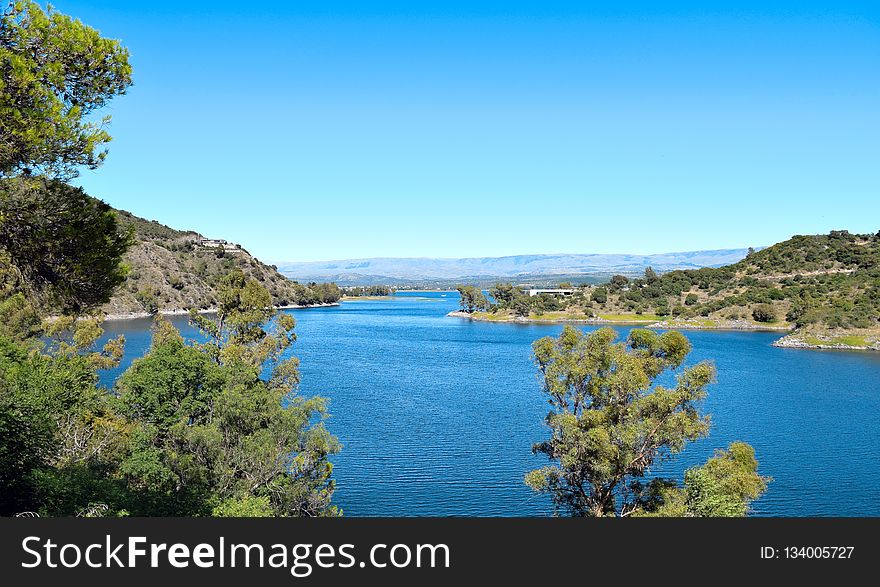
[609, 423]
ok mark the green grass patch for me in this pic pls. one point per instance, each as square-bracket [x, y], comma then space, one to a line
[630, 317]
[556, 316]
[496, 317]
[845, 340]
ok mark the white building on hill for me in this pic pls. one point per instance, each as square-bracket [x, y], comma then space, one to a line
[556, 292]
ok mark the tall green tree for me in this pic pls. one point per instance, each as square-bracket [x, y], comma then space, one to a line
[58, 245]
[609, 422]
[55, 72]
[472, 299]
[619, 281]
[504, 294]
[60, 252]
[220, 427]
[522, 306]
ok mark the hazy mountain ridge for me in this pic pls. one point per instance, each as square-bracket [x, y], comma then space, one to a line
[403, 269]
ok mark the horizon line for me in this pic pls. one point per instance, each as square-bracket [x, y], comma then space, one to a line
[385, 257]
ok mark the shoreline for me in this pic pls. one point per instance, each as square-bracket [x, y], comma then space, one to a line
[738, 325]
[790, 339]
[796, 341]
[179, 312]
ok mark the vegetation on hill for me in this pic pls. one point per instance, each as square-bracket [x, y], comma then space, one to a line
[825, 286]
[174, 270]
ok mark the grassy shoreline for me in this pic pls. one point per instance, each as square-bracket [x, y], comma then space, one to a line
[818, 340]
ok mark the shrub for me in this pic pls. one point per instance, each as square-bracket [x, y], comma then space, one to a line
[147, 298]
[764, 313]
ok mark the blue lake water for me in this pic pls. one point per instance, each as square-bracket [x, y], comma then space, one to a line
[437, 415]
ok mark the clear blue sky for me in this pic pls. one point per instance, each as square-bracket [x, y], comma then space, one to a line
[311, 130]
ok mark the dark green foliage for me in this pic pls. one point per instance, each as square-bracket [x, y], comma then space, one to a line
[64, 246]
[147, 299]
[174, 383]
[764, 313]
[212, 435]
[618, 282]
[472, 299]
[599, 295]
[504, 294]
[521, 306]
[546, 303]
[19, 318]
[372, 290]
[509, 297]
[59, 435]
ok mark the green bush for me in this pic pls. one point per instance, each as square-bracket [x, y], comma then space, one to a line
[147, 298]
[764, 313]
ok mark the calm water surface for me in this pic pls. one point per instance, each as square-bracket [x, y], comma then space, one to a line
[437, 415]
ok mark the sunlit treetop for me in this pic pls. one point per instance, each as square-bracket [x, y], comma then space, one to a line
[55, 72]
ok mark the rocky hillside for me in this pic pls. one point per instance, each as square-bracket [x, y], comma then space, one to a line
[172, 271]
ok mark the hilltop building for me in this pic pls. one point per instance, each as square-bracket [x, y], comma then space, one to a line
[553, 291]
[219, 243]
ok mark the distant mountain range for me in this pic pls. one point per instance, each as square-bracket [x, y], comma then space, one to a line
[403, 270]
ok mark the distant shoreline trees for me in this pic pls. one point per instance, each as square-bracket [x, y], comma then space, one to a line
[472, 299]
[368, 290]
